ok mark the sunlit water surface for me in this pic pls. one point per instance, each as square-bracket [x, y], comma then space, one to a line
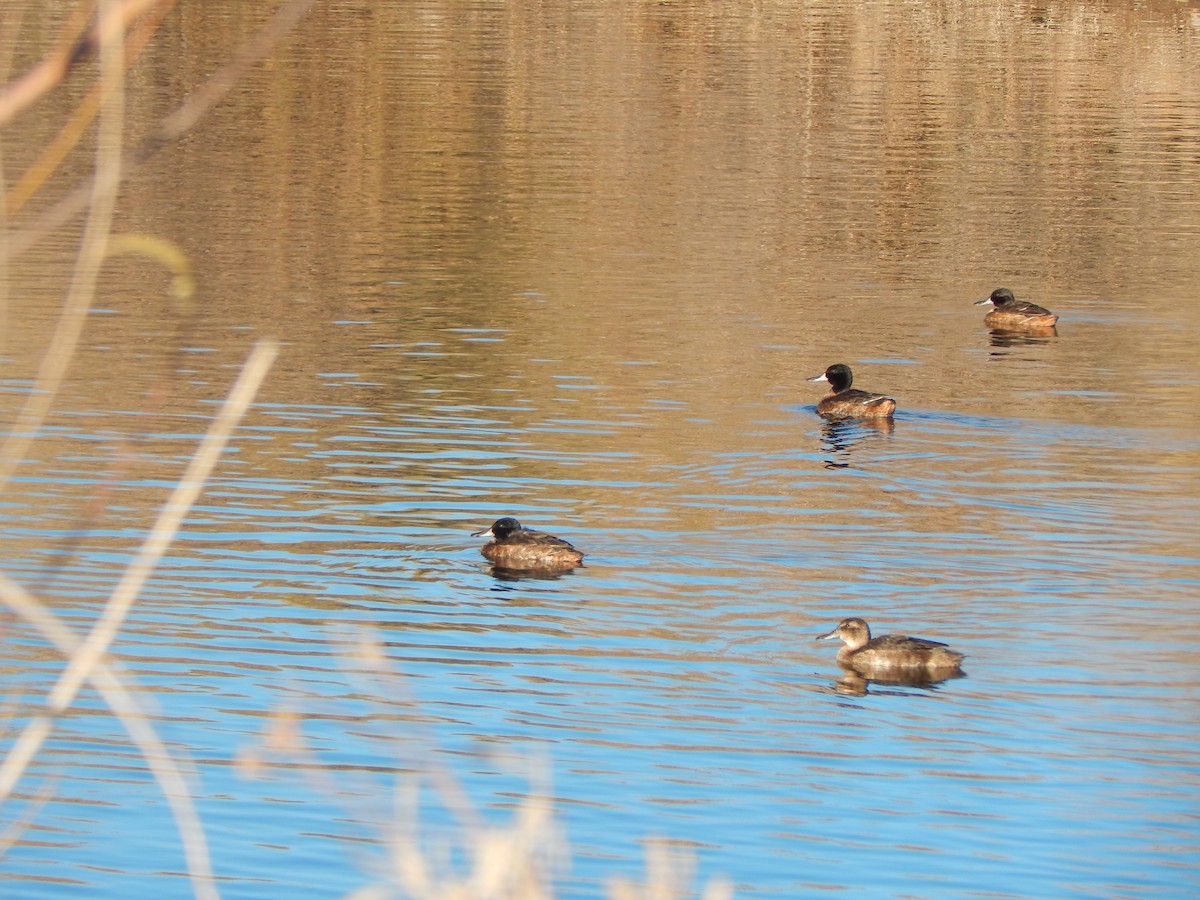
[573, 266]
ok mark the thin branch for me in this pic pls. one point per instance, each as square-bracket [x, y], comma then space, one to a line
[57, 149]
[113, 18]
[103, 193]
[137, 724]
[209, 94]
[174, 126]
[103, 633]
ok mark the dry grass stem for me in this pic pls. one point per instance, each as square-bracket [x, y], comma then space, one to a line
[125, 707]
[84, 661]
[56, 150]
[112, 19]
[205, 97]
[81, 292]
[475, 859]
[670, 870]
[175, 125]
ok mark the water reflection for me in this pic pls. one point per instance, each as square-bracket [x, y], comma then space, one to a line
[1003, 339]
[500, 573]
[856, 685]
[842, 437]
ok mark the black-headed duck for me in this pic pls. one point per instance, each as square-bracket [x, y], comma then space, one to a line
[844, 402]
[1011, 314]
[889, 654]
[513, 546]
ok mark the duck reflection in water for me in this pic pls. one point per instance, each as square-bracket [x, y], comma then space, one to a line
[1007, 340]
[890, 659]
[842, 436]
[515, 549]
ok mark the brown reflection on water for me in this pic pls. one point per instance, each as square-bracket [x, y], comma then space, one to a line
[722, 206]
[853, 684]
[670, 186]
[1030, 337]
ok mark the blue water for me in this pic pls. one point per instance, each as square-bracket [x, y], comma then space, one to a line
[670, 688]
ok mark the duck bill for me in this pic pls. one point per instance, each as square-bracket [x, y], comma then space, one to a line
[487, 531]
[820, 377]
[986, 301]
[827, 637]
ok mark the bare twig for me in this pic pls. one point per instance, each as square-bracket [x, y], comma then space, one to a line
[103, 192]
[57, 149]
[209, 94]
[112, 19]
[123, 705]
[174, 126]
[92, 651]
[516, 860]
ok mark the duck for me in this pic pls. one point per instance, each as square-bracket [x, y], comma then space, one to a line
[513, 546]
[842, 402]
[890, 654]
[1012, 314]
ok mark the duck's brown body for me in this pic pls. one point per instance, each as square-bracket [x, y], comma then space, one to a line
[515, 547]
[856, 404]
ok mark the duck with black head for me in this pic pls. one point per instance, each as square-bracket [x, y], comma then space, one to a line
[845, 402]
[1010, 314]
[515, 547]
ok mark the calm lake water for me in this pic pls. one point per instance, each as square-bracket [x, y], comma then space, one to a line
[572, 262]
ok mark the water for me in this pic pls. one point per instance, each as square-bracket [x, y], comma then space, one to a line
[573, 263]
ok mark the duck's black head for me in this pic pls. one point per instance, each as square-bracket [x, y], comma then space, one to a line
[999, 297]
[501, 528]
[838, 375]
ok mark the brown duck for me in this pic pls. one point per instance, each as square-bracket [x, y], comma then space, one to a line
[1011, 314]
[844, 402]
[513, 546]
[890, 654]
